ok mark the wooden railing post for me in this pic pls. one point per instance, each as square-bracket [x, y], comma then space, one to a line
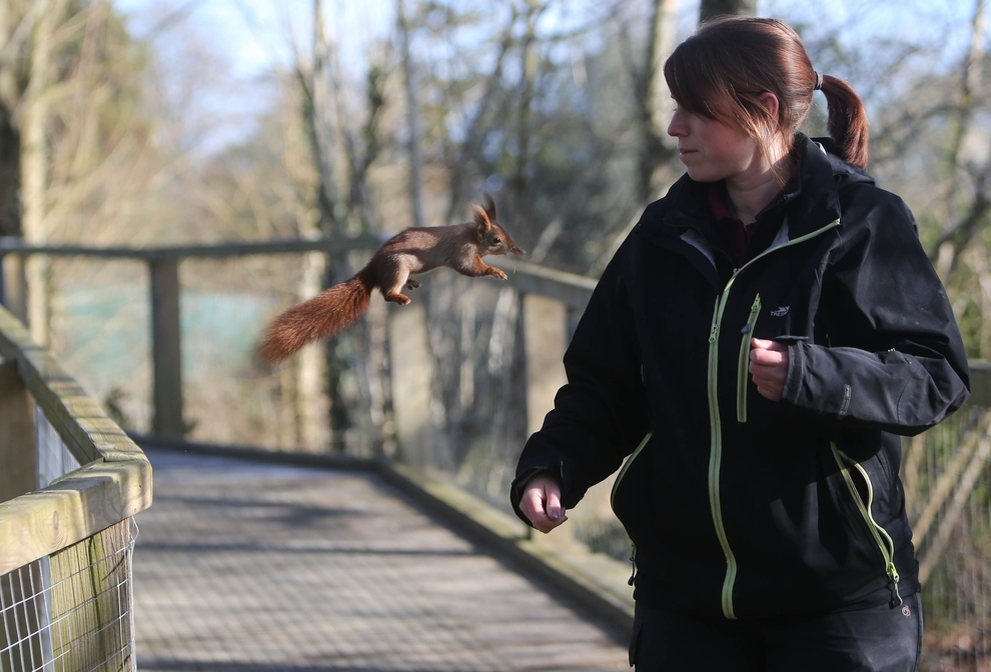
[545, 338]
[545, 335]
[18, 455]
[18, 476]
[166, 345]
[412, 371]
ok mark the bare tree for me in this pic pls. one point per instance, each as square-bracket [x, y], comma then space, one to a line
[652, 99]
[966, 224]
[65, 125]
[343, 155]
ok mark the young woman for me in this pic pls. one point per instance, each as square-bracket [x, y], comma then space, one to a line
[753, 351]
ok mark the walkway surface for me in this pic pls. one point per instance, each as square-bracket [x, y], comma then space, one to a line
[244, 566]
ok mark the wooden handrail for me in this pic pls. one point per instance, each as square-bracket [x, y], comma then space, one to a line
[113, 484]
[12, 245]
[163, 263]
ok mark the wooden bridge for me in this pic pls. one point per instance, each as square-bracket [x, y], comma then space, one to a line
[253, 560]
[248, 564]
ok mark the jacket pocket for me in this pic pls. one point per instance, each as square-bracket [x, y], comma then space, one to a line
[861, 488]
[743, 364]
[626, 466]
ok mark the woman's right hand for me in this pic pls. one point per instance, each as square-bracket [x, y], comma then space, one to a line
[541, 503]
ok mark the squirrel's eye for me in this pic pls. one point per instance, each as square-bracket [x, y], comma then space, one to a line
[497, 240]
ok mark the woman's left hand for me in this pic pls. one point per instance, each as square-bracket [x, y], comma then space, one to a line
[769, 367]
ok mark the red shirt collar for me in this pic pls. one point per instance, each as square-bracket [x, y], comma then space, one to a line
[718, 204]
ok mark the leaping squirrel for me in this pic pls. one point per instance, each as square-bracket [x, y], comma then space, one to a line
[415, 250]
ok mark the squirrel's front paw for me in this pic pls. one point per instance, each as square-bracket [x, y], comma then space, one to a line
[497, 273]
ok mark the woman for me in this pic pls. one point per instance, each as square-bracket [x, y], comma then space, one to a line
[754, 350]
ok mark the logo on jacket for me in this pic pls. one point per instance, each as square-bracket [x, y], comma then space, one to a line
[780, 311]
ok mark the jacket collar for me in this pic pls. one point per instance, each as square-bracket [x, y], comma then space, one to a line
[811, 198]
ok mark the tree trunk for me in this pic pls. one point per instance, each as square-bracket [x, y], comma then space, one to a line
[655, 104]
[311, 396]
[527, 87]
[710, 9]
[33, 119]
[10, 174]
[14, 280]
[10, 139]
[413, 120]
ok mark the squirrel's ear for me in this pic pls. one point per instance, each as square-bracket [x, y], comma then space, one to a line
[481, 218]
[490, 206]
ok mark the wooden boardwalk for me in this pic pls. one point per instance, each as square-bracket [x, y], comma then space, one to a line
[246, 566]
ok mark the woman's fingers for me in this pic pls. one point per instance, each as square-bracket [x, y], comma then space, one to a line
[769, 367]
[541, 503]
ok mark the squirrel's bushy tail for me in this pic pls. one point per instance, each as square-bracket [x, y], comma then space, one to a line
[324, 316]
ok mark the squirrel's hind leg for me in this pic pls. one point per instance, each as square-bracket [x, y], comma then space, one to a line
[392, 288]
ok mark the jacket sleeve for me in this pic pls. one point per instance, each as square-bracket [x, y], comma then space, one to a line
[600, 415]
[895, 360]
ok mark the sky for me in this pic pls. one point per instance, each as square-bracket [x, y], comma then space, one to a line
[237, 42]
[255, 33]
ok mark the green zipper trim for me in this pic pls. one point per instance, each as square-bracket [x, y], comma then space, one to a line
[881, 537]
[715, 424]
[626, 465]
[743, 368]
[715, 460]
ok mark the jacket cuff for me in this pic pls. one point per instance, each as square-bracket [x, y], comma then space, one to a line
[796, 370]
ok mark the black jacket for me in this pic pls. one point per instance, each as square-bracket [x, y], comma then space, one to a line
[739, 506]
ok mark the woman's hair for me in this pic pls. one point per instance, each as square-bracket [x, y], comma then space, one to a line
[723, 69]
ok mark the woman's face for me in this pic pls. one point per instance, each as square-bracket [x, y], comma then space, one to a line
[712, 150]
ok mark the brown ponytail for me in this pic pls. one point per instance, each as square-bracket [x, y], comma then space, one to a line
[847, 120]
[722, 70]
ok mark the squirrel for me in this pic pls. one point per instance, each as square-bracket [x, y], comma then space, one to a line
[414, 250]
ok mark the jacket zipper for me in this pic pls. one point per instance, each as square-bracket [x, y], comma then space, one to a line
[743, 367]
[881, 537]
[715, 423]
[716, 456]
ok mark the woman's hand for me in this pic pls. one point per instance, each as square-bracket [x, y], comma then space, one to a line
[541, 502]
[769, 367]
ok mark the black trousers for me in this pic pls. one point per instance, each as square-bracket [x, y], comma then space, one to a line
[880, 639]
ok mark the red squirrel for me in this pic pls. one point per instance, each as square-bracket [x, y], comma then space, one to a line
[415, 250]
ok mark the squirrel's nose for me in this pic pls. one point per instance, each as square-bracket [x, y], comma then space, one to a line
[516, 250]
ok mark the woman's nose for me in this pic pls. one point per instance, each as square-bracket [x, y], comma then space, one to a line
[676, 127]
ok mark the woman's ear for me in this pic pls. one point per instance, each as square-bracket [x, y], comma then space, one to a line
[770, 103]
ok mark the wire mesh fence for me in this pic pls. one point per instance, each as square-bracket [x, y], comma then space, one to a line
[946, 477]
[50, 609]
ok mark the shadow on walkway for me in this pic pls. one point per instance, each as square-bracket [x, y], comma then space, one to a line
[244, 566]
